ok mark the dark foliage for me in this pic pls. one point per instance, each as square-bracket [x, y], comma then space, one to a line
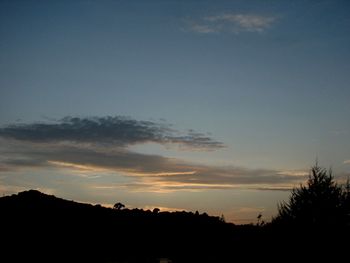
[118, 206]
[37, 224]
[36, 227]
[321, 203]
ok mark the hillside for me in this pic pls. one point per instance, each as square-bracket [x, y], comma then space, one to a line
[36, 225]
[36, 221]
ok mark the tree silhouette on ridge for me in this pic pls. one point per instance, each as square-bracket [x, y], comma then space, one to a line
[321, 202]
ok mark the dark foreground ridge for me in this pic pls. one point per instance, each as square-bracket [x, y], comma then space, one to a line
[41, 227]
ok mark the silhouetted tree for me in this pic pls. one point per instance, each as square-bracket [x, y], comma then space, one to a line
[118, 206]
[222, 218]
[260, 221]
[321, 202]
[346, 201]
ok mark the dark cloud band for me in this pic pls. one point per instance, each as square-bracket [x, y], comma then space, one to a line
[169, 174]
[118, 131]
[80, 143]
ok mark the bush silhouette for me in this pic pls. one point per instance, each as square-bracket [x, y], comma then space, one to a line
[118, 206]
[321, 202]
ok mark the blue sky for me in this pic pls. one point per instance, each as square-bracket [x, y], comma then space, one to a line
[238, 99]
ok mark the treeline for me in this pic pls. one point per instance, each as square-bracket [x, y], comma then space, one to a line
[37, 223]
[313, 224]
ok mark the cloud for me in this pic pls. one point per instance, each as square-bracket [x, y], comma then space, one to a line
[338, 132]
[147, 173]
[294, 172]
[204, 29]
[114, 131]
[244, 22]
[90, 147]
[347, 162]
[231, 22]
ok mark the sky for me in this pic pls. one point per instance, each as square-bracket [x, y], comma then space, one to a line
[211, 106]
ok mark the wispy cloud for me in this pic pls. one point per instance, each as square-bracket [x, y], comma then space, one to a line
[203, 28]
[244, 22]
[92, 146]
[150, 173]
[347, 162]
[294, 172]
[231, 22]
[338, 132]
[117, 131]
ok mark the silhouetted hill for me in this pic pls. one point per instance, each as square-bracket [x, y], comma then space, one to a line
[35, 200]
[35, 221]
[35, 225]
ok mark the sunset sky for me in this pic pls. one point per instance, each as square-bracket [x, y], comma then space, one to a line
[215, 106]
